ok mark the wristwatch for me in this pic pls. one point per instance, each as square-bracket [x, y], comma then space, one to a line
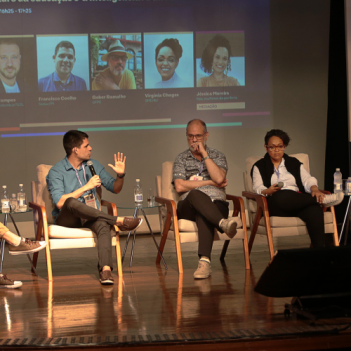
[121, 175]
[205, 158]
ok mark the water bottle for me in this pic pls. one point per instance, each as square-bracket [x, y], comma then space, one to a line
[138, 193]
[348, 186]
[337, 181]
[5, 201]
[13, 203]
[21, 199]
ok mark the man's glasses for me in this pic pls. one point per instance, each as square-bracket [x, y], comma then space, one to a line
[118, 57]
[196, 136]
[68, 56]
[275, 147]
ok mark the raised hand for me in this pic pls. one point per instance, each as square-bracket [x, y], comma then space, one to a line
[120, 163]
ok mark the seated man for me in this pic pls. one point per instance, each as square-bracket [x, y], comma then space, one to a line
[73, 189]
[18, 246]
[199, 177]
[116, 76]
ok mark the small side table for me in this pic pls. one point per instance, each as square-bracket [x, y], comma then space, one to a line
[2, 241]
[137, 208]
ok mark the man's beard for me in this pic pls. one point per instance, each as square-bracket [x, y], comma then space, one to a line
[117, 73]
[8, 75]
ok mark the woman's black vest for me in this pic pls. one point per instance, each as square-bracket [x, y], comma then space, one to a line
[266, 168]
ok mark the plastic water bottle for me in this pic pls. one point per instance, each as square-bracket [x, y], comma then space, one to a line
[348, 186]
[13, 203]
[138, 193]
[21, 199]
[5, 201]
[337, 181]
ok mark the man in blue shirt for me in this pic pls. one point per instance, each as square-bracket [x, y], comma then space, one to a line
[73, 189]
[62, 79]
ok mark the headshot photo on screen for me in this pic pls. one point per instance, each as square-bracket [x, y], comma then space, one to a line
[17, 59]
[116, 61]
[169, 60]
[63, 63]
[220, 59]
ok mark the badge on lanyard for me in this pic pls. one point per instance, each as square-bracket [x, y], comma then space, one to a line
[90, 198]
[198, 176]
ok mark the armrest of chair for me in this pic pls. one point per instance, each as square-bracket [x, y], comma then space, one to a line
[111, 207]
[42, 221]
[260, 200]
[239, 207]
[171, 206]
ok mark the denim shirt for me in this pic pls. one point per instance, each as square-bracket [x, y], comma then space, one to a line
[62, 179]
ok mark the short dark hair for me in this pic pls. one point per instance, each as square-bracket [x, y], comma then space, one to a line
[207, 56]
[277, 133]
[65, 44]
[72, 139]
[173, 44]
[199, 121]
[10, 41]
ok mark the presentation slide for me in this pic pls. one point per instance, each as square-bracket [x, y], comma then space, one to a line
[99, 65]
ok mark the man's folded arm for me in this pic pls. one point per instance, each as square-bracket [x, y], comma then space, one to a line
[182, 185]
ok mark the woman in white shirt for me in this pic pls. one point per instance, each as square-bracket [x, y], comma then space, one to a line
[291, 190]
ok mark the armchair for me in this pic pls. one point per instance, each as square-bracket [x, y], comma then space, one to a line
[59, 237]
[185, 231]
[260, 221]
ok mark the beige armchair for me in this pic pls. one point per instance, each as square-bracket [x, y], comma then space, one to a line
[185, 231]
[260, 221]
[58, 237]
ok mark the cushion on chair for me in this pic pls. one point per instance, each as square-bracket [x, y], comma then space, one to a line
[43, 196]
[59, 232]
[294, 221]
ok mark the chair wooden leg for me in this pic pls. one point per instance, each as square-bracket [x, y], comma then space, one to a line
[118, 255]
[38, 237]
[224, 249]
[178, 249]
[246, 253]
[335, 234]
[269, 234]
[254, 229]
[48, 262]
[164, 237]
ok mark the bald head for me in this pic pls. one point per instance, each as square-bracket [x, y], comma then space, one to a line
[197, 122]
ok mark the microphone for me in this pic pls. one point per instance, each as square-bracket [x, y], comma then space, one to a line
[280, 184]
[91, 167]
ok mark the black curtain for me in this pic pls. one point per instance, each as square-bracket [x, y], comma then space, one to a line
[337, 146]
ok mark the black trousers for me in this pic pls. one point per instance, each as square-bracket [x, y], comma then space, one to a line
[288, 203]
[198, 207]
[75, 214]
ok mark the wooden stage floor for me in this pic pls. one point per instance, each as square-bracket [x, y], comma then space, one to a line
[151, 308]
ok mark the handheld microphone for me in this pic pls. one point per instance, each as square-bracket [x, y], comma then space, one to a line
[91, 167]
[280, 184]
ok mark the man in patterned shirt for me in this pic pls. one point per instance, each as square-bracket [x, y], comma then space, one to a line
[199, 177]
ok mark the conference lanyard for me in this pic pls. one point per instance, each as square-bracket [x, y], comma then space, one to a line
[85, 177]
[276, 172]
[201, 168]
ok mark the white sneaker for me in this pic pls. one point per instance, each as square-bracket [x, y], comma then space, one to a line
[333, 199]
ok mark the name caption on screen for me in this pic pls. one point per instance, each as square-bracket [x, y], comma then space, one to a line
[97, 98]
[44, 101]
[154, 97]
